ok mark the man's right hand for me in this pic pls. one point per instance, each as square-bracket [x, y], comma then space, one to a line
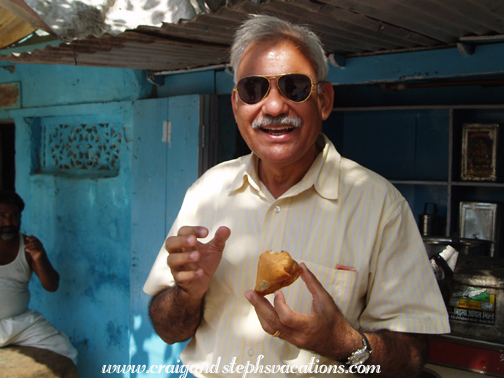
[192, 263]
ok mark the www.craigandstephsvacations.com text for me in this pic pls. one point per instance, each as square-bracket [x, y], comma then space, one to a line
[249, 368]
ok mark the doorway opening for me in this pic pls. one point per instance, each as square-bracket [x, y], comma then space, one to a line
[7, 157]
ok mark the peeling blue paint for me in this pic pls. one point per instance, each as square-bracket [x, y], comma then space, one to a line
[84, 224]
[114, 335]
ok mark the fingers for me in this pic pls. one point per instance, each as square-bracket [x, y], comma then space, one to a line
[265, 312]
[279, 318]
[184, 276]
[184, 266]
[31, 240]
[186, 239]
[189, 259]
[176, 260]
[199, 232]
[290, 322]
[32, 243]
[221, 236]
[314, 286]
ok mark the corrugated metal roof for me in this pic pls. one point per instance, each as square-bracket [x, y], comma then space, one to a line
[346, 27]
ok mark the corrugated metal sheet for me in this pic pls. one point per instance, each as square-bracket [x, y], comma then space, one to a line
[346, 27]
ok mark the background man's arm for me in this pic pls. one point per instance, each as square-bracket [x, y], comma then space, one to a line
[40, 264]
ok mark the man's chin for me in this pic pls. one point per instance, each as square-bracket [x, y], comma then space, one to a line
[8, 235]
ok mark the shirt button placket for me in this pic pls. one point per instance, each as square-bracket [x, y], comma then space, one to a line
[277, 226]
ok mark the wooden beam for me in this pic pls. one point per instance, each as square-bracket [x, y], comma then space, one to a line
[12, 28]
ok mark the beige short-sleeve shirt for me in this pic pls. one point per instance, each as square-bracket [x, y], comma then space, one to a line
[339, 216]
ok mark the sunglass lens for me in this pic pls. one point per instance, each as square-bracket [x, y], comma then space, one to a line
[295, 87]
[252, 89]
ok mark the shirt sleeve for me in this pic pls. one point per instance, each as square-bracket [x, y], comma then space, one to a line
[160, 275]
[403, 294]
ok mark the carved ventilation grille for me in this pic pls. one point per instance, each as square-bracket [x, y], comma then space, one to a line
[83, 147]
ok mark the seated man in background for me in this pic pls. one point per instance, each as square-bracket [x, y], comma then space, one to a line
[21, 255]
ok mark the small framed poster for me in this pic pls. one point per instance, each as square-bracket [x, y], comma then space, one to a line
[479, 151]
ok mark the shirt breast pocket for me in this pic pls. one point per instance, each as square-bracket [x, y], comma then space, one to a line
[340, 284]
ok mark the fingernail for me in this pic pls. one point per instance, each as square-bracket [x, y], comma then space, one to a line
[194, 256]
[247, 295]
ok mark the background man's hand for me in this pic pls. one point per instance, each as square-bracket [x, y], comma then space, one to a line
[193, 263]
[324, 330]
[40, 264]
[34, 247]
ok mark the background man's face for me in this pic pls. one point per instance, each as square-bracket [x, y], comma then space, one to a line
[281, 148]
[10, 221]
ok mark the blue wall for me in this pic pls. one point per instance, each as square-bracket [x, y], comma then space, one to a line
[84, 220]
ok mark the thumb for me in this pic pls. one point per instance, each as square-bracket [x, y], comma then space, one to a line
[221, 236]
[322, 300]
[313, 284]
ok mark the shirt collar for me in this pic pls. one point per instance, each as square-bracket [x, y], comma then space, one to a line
[246, 174]
[323, 174]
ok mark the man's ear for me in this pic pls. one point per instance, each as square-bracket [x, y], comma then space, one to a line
[234, 102]
[326, 99]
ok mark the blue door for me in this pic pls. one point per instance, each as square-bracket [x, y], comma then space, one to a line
[170, 145]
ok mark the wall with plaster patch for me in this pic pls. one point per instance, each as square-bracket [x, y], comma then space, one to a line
[82, 218]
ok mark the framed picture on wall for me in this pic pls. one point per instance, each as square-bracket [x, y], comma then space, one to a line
[479, 151]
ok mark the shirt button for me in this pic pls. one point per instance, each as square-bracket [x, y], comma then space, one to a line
[276, 209]
[250, 352]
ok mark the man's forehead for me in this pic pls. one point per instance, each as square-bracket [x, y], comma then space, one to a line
[9, 207]
[273, 57]
[267, 45]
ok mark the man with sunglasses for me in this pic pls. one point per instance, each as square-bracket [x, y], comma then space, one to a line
[366, 294]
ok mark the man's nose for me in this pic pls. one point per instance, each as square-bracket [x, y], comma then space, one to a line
[275, 103]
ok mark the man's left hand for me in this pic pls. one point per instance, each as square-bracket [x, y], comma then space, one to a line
[324, 330]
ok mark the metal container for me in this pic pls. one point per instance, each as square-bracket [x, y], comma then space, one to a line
[476, 305]
[464, 246]
[428, 221]
[478, 220]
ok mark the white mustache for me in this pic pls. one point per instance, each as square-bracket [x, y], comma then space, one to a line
[277, 121]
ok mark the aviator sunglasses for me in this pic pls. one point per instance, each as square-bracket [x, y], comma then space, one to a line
[293, 86]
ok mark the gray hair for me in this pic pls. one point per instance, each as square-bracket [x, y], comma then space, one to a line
[260, 28]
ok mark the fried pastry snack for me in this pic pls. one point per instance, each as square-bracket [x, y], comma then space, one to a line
[274, 271]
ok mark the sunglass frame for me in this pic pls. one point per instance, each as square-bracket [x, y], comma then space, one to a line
[269, 77]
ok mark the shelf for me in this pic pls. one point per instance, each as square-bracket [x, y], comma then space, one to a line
[418, 182]
[415, 107]
[467, 354]
[418, 149]
[480, 184]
